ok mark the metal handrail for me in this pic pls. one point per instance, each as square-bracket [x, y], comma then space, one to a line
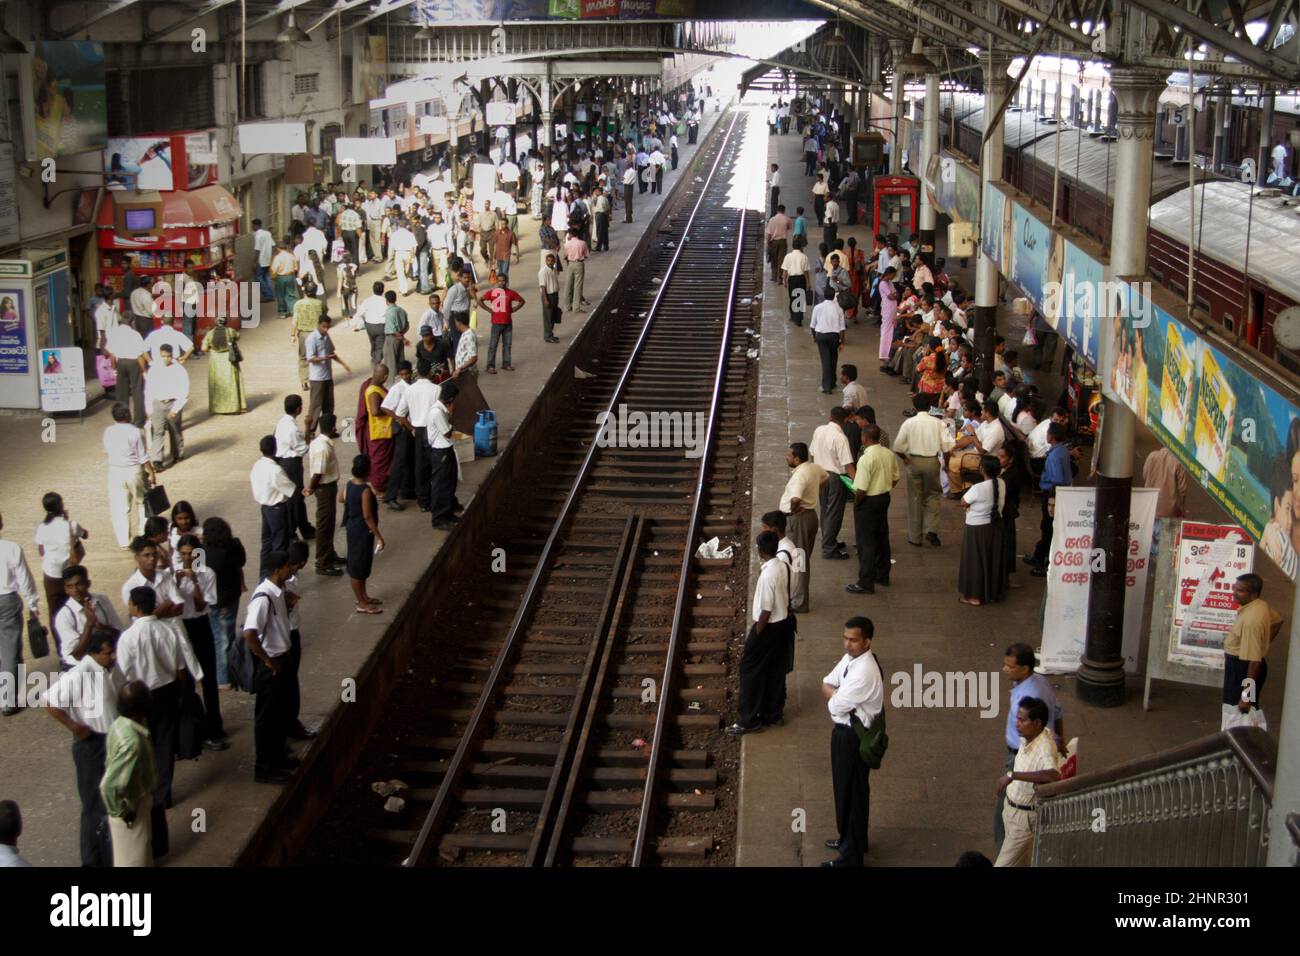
[456, 766]
[688, 555]
[1205, 803]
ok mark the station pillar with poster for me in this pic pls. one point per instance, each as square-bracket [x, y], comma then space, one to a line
[895, 201]
[33, 316]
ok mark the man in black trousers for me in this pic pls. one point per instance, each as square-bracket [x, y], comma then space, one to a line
[442, 459]
[763, 663]
[273, 490]
[877, 474]
[267, 634]
[855, 688]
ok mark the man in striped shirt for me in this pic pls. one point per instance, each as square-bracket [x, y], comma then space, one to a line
[350, 226]
[1037, 761]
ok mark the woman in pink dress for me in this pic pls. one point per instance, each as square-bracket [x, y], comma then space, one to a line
[888, 309]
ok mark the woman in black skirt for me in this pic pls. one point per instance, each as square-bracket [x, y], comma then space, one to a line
[982, 577]
[361, 522]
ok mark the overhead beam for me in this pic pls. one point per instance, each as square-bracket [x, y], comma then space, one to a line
[116, 7]
[283, 7]
[1082, 41]
[386, 7]
[1222, 40]
[212, 7]
[343, 6]
[1017, 43]
[877, 22]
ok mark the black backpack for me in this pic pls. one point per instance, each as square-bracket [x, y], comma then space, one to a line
[240, 662]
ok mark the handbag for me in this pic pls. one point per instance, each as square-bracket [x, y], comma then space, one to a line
[39, 638]
[236, 356]
[846, 300]
[240, 662]
[872, 741]
[156, 501]
[77, 553]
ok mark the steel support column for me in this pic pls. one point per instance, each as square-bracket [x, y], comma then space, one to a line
[897, 47]
[1101, 672]
[986, 270]
[1265, 137]
[929, 148]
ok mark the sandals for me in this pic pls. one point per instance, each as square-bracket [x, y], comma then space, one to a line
[374, 601]
[368, 610]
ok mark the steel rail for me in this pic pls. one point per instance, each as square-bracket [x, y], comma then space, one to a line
[688, 556]
[459, 760]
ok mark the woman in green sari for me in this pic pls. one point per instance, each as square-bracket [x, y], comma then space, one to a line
[225, 378]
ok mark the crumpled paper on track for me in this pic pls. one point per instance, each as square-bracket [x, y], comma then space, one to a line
[711, 549]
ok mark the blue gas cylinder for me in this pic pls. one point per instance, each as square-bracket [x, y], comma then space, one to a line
[485, 434]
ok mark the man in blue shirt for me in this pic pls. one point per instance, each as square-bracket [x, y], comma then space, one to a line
[1018, 666]
[800, 224]
[1056, 474]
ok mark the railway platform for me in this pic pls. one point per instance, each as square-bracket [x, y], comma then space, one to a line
[934, 796]
[218, 805]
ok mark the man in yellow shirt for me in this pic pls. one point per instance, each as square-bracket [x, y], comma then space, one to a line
[1244, 650]
[306, 316]
[284, 269]
[876, 476]
[799, 503]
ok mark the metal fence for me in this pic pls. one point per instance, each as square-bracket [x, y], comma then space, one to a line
[1205, 803]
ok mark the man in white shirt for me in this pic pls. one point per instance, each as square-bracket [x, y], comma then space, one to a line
[290, 452]
[82, 613]
[855, 687]
[828, 332]
[829, 449]
[106, 317]
[323, 483]
[855, 394]
[920, 441]
[372, 312]
[141, 301]
[264, 247]
[84, 700]
[166, 390]
[153, 652]
[774, 185]
[401, 247]
[442, 459]
[548, 284]
[273, 490]
[831, 222]
[130, 474]
[766, 657]
[412, 414]
[1038, 760]
[266, 632]
[789, 552]
[124, 347]
[16, 587]
[629, 181]
[401, 476]
[197, 585]
[166, 334]
[796, 276]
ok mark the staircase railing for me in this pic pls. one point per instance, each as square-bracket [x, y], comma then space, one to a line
[1205, 803]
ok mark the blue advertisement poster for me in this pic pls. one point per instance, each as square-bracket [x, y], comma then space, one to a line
[1082, 279]
[14, 358]
[993, 227]
[1030, 251]
[1237, 436]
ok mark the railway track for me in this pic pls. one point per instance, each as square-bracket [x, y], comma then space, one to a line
[580, 721]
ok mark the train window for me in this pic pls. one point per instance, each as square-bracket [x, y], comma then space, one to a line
[1229, 322]
[1158, 274]
[1203, 304]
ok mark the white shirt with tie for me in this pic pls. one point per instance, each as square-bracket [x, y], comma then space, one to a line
[859, 689]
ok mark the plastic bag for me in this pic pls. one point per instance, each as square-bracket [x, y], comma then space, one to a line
[1232, 717]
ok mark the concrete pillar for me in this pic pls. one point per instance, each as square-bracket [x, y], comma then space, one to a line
[986, 270]
[929, 148]
[1262, 163]
[897, 47]
[1101, 673]
[547, 131]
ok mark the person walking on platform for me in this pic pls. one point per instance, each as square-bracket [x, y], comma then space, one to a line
[827, 327]
[831, 223]
[778, 237]
[877, 475]
[774, 187]
[920, 441]
[854, 688]
[130, 474]
[601, 207]
[799, 504]
[125, 349]
[576, 254]
[796, 275]
[1244, 650]
[1037, 760]
[830, 452]
[764, 660]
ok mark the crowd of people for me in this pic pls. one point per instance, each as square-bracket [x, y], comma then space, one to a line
[143, 677]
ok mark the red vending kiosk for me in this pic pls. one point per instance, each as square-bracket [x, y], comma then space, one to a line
[895, 202]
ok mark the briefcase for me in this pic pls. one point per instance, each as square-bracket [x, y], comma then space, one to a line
[156, 501]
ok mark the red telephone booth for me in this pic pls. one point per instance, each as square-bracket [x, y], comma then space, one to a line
[895, 203]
